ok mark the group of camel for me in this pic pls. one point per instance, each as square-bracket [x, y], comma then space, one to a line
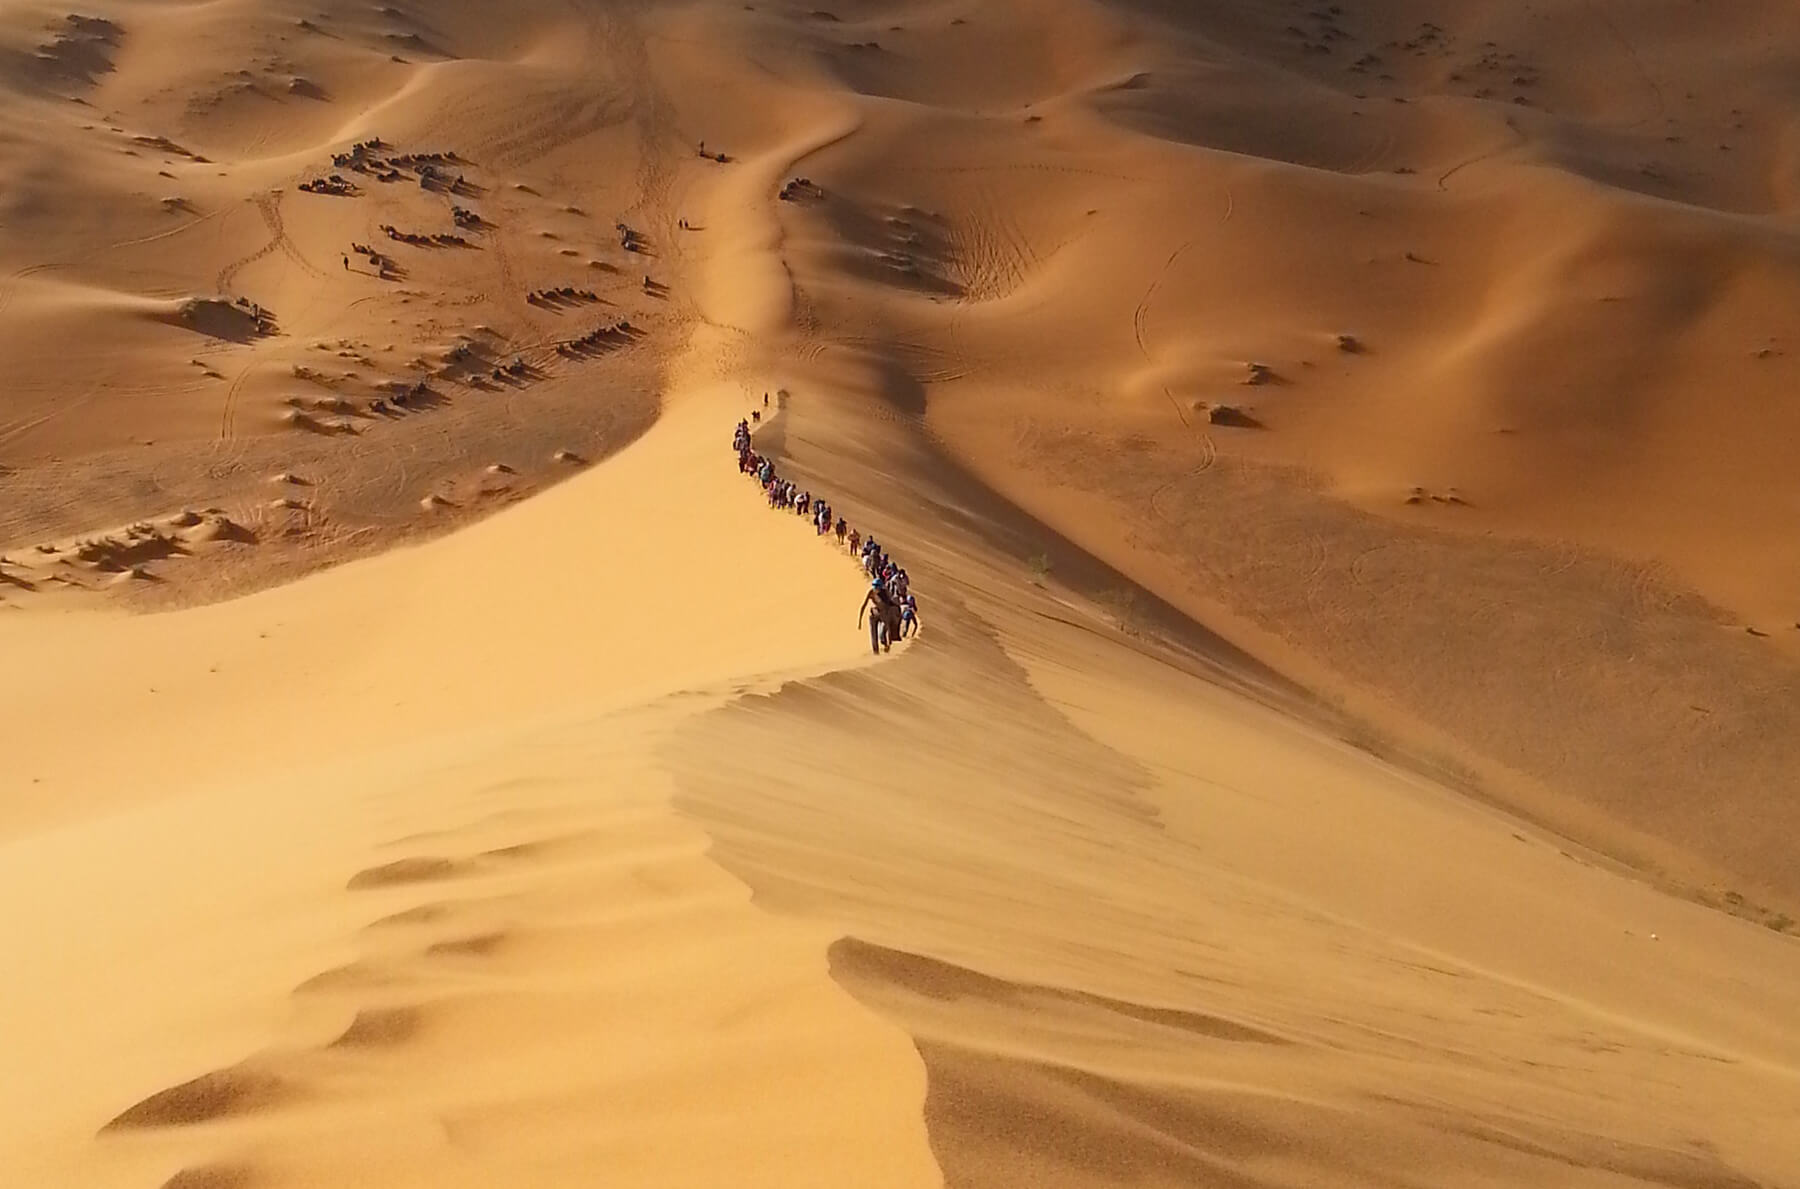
[362, 159]
[621, 328]
[334, 184]
[358, 153]
[560, 295]
[402, 396]
[375, 258]
[434, 239]
[362, 155]
[265, 321]
[796, 187]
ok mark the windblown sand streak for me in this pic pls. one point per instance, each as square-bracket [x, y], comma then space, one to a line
[426, 762]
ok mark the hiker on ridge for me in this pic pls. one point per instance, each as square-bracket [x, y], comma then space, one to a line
[884, 617]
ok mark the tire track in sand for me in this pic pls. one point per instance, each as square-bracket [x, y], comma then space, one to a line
[10, 287]
[229, 273]
[269, 206]
[1478, 158]
[1637, 63]
[1141, 316]
[228, 413]
[1209, 450]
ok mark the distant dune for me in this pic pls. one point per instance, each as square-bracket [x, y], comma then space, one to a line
[1343, 452]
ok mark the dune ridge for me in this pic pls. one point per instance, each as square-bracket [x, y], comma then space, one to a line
[430, 894]
[1339, 450]
[1242, 1013]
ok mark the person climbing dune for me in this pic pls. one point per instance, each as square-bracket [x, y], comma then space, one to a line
[884, 617]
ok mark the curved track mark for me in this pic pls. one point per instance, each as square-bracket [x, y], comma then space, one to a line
[269, 206]
[160, 235]
[11, 287]
[229, 273]
[1662, 105]
[228, 413]
[1140, 316]
[1480, 157]
[1209, 454]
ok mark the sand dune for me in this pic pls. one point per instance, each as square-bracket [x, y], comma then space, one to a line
[1341, 451]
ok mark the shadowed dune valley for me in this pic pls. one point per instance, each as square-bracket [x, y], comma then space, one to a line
[1048, 593]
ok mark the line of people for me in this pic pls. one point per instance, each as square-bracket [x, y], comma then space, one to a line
[892, 609]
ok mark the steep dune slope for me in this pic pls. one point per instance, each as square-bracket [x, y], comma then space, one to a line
[1146, 929]
[1489, 444]
[400, 890]
[1341, 450]
[1572, 359]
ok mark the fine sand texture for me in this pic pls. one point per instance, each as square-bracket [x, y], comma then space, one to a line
[1343, 453]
